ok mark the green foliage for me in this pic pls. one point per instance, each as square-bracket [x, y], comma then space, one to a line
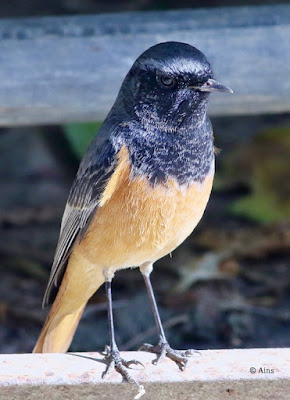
[269, 176]
[80, 135]
[259, 208]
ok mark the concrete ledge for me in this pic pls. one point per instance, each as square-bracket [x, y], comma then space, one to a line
[216, 374]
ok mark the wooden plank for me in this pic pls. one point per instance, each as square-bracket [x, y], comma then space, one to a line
[220, 374]
[60, 69]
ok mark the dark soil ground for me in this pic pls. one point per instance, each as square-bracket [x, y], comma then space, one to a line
[226, 286]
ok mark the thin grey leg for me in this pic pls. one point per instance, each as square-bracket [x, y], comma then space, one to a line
[151, 295]
[112, 353]
[163, 348]
[108, 285]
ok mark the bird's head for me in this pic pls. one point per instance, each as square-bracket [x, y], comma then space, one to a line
[169, 84]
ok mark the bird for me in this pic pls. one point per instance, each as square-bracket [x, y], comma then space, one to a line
[141, 189]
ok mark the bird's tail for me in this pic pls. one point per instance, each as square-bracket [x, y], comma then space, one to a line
[66, 311]
[57, 332]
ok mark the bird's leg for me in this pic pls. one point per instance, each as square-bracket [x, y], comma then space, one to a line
[112, 353]
[163, 348]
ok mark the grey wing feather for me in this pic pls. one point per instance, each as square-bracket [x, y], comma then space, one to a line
[82, 203]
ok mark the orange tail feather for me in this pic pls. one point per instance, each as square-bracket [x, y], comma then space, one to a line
[61, 323]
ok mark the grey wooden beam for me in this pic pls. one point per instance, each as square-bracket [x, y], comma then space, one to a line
[55, 70]
[217, 374]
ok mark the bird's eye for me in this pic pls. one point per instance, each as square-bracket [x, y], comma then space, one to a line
[167, 81]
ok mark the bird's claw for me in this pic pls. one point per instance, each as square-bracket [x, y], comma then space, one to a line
[115, 361]
[163, 349]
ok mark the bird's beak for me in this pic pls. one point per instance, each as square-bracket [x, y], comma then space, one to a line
[213, 86]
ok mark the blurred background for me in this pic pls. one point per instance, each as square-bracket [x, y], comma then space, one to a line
[226, 286]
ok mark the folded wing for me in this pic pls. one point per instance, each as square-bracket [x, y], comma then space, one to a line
[86, 192]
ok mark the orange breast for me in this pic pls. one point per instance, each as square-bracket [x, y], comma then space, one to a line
[137, 223]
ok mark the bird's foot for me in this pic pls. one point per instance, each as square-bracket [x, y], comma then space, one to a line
[162, 349]
[115, 361]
